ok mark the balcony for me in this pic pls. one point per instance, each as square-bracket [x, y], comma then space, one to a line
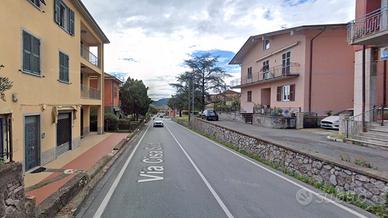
[90, 93]
[89, 56]
[372, 29]
[272, 74]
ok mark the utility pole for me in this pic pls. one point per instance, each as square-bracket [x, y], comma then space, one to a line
[193, 94]
[188, 99]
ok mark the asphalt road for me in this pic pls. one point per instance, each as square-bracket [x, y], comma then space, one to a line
[174, 172]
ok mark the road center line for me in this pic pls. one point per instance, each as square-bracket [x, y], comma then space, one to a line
[106, 200]
[282, 177]
[214, 193]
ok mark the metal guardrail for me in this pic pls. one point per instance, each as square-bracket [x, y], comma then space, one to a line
[90, 93]
[372, 23]
[89, 56]
[378, 114]
[275, 72]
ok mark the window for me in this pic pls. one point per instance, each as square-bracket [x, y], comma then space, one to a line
[31, 54]
[249, 96]
[64, 16]
[63, 67]
[36, 2]
[286, 93]
[249, 72]
[266, 73]
[266, 44]
[286, 63]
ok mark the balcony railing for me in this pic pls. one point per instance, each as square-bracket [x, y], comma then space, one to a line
[277, 72]
[90, 93]
[369, 25]
[89, 56]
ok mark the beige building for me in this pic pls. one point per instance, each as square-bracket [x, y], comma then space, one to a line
[47, 51]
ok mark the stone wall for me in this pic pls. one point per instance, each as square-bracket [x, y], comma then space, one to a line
[275, 122]
[12, 198]
[343, 176]
[231, 116]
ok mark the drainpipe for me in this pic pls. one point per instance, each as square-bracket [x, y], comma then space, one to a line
[384, 92]
[311, 65]
[363, 88]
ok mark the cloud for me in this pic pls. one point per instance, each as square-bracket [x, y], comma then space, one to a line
[150, 39]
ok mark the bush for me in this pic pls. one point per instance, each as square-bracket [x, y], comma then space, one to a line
[111, 122]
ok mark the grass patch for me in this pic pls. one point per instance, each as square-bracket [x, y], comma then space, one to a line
[351, 198]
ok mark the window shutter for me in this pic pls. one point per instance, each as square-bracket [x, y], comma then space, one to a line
[279, 94]
[71, 22]
[67, 68]
[36, 55]
[292, 92]
[26, 51]
[57, 9]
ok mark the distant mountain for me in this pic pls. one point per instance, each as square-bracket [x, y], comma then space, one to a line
[161, 102]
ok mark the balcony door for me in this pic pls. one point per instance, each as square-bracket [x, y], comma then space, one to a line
[286, 63]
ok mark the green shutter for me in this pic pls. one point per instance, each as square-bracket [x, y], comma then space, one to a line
[57, 9]
[26, 51]
[71, 22]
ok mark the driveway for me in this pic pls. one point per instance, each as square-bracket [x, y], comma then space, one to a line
[314, 140]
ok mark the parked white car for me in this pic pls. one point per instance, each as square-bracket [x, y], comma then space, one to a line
[333, 121]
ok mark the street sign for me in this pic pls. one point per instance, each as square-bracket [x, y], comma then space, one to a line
[384, 53]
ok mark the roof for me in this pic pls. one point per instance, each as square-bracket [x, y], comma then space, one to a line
[84, 11]
[252, 40]
[108, 76]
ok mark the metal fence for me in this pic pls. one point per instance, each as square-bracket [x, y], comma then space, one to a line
[89, 56]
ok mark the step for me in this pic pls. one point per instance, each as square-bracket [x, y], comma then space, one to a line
[375, 135]
[368, 143]
[370, 138]
[382, 129]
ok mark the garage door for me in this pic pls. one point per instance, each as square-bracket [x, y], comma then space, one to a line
[63, 133]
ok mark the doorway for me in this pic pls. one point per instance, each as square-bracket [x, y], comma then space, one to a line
[32, 141]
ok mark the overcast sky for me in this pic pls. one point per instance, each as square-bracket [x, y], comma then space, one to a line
[151, 38]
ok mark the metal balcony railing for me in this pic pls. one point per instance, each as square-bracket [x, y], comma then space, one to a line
[369, 25]
[89, 56]
[293, 69]
[90, 93]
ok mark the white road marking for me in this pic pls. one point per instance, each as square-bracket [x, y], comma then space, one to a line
[105, 202]
[214, 193]
[283, 177]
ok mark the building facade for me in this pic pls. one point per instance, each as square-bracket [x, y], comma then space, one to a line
[47, 52]
[301, 69]
[369, 35]
[112, 94]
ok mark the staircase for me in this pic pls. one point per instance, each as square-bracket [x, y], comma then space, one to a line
[377, 136]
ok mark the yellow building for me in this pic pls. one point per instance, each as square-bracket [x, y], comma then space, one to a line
[46, 50]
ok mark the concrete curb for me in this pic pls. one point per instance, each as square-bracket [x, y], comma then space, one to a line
[95, 174]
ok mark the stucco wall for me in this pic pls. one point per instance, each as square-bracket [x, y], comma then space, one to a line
[333, 71]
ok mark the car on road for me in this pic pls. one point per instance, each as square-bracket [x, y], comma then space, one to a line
[333, 121]
[158, 123]
[210, 115]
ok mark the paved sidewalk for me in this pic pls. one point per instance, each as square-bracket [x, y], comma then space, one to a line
[314, 140]
[91, 150]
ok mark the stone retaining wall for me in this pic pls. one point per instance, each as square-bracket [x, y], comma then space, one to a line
[12, 198]
[343, 176]
[275, 122]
